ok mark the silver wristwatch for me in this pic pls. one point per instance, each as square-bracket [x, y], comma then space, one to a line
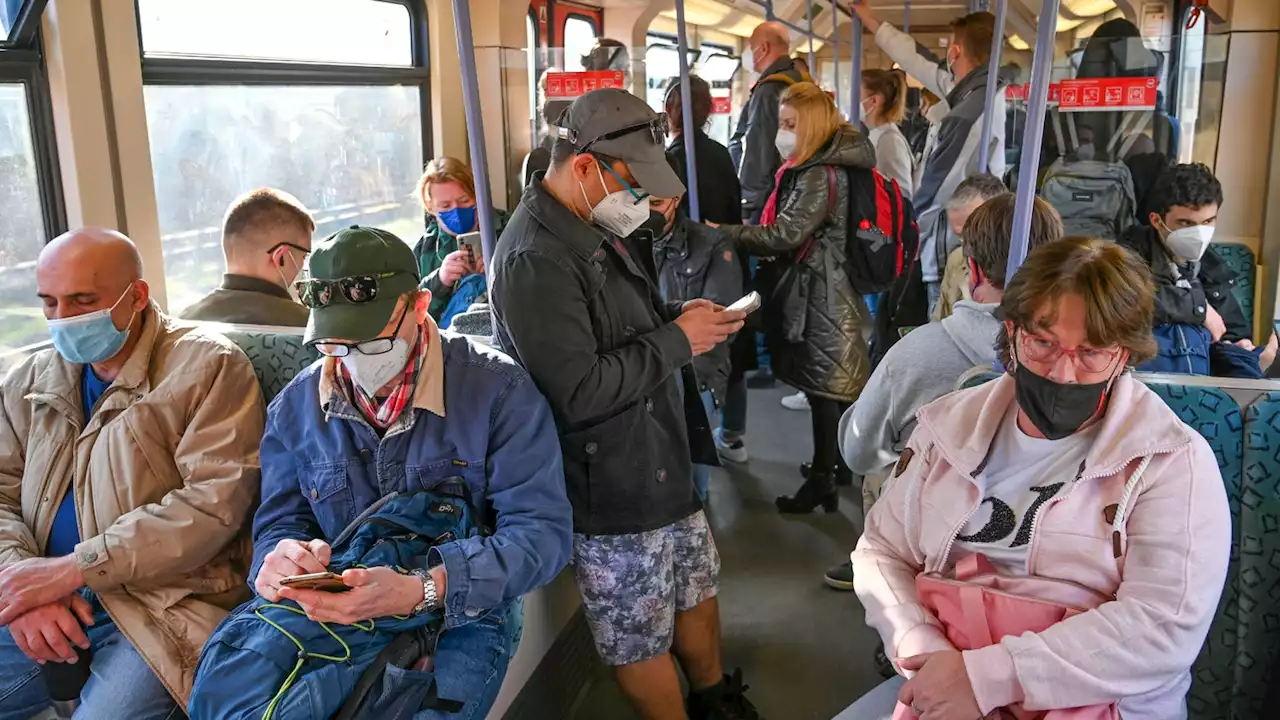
[430, 599]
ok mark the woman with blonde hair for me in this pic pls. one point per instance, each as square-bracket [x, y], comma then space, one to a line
[883, 107]
[815, 340]
[447, 191]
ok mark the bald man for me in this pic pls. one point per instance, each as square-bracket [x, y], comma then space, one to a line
[128, 467]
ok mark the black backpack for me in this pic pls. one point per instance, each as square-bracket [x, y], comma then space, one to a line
[881, 238]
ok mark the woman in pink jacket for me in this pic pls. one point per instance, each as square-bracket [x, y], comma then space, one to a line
[1079, 487]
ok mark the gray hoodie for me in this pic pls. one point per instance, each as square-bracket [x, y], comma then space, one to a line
[920, 368]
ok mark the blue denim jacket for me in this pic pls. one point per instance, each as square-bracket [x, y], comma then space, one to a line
[322, 466]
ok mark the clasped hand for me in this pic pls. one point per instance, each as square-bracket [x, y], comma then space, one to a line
[940, 689]
[39, 604]
[375, 592]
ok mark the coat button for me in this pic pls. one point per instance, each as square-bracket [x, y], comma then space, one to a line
[366, 453]
[1199, 308]
[91, 557]
[314, 494]
[591, 448]
[688, 271]
[648, 404]
[662, 475]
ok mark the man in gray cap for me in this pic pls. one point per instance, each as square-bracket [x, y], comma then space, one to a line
[576, 301]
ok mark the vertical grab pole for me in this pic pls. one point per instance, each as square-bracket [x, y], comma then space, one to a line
[855, 72]
[813, 67]
[835, 50]
[1037, 101]
[768, 11]
[989, 110]
[686, 113]
[906, 17]
[475, 126]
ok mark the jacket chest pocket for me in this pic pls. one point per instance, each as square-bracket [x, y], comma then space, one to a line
[328, 489]
[688, 276]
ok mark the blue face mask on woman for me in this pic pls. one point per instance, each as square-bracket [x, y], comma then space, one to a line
[92, 337]
[459, 220]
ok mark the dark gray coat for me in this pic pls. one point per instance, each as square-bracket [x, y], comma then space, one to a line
[832, 360]
[694, 262]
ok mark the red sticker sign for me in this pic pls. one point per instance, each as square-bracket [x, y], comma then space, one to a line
[1109, 94]
[1022, 92]
[721, 106]
[566, 86]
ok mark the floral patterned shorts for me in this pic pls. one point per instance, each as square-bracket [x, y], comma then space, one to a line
[633, 585]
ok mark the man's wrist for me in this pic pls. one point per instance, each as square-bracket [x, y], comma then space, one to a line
[68, 566]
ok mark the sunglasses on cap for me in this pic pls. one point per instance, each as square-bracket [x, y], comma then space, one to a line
[356, 289]
[657, 127]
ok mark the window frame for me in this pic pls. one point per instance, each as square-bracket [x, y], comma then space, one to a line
[26, 28]
[227, 71]
[25, 66]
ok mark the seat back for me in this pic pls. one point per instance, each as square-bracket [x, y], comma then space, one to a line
[277, 354]
[1240, 259]
[1258, 584]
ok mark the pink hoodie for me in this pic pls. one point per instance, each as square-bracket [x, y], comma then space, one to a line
[1148, 483]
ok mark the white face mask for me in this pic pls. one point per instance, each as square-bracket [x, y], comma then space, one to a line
[1189, 243]
[786, 143]
[621, 213]
[371, 372]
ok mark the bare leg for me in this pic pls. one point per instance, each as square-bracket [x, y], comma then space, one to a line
[697, 644]
[653, 687]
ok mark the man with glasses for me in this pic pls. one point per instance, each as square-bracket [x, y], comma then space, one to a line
[370, 419]
[266, 236]
[576, 302]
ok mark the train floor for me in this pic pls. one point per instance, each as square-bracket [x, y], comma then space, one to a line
[804, 649]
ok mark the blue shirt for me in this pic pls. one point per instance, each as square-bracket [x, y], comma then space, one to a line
[66, 533]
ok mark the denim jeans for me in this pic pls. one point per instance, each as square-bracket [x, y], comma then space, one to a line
[471, 662]
[121, 684]
[702, 473]
[878, 704]
[733, 416]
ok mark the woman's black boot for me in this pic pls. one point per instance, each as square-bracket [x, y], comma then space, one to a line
[817, 490]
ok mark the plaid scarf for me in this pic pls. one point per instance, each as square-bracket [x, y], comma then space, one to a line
[382, 413]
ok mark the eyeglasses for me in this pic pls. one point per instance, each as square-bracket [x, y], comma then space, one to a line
[376, 346]
[657, 127]
[357, 289]
[291, 246]
[1040, 350]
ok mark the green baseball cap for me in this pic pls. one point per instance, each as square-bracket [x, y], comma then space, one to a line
[360, 253]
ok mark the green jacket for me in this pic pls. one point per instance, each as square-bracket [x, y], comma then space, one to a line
[431, 250]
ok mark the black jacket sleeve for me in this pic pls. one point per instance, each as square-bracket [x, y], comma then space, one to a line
[760, 161]
[1218, 280]
[544, 308]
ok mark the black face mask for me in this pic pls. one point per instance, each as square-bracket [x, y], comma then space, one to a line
[656, 225]
[1056, 409]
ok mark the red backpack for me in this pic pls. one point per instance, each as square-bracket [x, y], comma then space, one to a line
[882, 238]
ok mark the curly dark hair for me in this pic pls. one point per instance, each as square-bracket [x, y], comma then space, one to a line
[1191, 185]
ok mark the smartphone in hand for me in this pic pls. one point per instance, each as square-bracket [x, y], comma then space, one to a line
[325, 581]
[471, 241]
[748, 303]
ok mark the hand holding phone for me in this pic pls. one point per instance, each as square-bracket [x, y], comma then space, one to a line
[325, 581]
[748, 303]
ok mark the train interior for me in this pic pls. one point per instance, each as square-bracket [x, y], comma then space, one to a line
[150, 115]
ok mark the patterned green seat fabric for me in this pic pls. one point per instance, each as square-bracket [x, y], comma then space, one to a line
[276, 358]
[1240, 259]
[975, 376]
[1217, 417]
[1258, 585]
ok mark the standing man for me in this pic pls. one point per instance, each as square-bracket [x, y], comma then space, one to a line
[128, 469]
[961, 80]
[266, 236]
[576, 302]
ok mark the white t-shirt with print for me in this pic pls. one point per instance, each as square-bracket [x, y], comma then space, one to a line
[1021, 476]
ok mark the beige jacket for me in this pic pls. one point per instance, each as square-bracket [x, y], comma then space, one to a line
[165, 476]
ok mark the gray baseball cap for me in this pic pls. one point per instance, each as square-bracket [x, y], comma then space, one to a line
[618, 124]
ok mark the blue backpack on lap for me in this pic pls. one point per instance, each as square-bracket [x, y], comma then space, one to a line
[268, 661]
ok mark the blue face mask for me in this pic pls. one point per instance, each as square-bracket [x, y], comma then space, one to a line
[459, 220]
[92, 337]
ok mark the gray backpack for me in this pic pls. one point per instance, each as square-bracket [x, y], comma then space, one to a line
[1095, 198]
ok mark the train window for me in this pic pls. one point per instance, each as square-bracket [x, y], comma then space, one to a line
[362, 32]
[579, 35]
[348, 140]
[31, 210]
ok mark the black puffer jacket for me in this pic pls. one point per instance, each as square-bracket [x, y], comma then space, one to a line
[832, 360]
[694, 262]
[1211, 282]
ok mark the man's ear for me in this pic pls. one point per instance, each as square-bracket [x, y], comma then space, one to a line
[141, 295]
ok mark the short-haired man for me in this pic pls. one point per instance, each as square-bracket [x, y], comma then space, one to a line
[961, 80]
[266, 235]
[576, 302]
[1195, 308]
[926, 364]
[969, 195]
[128, 467]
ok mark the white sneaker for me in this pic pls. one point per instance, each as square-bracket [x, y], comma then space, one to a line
[735, 452]
[799, 402]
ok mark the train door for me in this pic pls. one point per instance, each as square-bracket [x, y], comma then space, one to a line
[575, 29]
[718, 67]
